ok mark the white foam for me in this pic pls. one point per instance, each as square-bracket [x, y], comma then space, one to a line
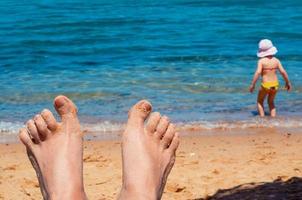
[10, 128]
[243, 124]
[9, 131]
[108, 129]
[104, 126]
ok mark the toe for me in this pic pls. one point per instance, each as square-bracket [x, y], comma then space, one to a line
[49, 119]
[153, 122]
[168, 136]
[25, 138]
[139, 112]
[41, 125]
[162, 126]
[33, 131]
[174, 143]
[65, 107]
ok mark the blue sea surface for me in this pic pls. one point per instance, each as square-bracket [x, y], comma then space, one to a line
[194, 60]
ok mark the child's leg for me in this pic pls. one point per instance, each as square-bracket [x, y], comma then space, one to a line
[261, 96]
[270, 101]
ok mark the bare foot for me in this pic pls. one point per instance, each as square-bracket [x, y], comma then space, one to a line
[148, 153]
[55, 151]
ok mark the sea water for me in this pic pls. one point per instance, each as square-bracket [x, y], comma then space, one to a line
[194, 60]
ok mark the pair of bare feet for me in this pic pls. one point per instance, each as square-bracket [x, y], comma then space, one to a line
[55, 150]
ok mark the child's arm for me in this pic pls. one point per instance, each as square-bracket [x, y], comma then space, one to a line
[282, 71]
[256, 76]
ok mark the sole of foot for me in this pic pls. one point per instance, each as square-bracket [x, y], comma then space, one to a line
[55, 150]
[148, 153]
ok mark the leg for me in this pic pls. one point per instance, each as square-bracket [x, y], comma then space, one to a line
[148, 153]
[55, 151]
[271, 104]
[261, 96]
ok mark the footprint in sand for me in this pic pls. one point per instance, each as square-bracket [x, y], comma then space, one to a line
[181, 154]
[206, 177]
[30, 183]
[27, 185]
[195, 162]
[264, 157]
[104, 162]
[10, 168]
[101, 183]
[23, 190]
[94, 158]
[175, 187]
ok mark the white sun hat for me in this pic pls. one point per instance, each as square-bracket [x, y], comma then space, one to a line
[266, 48]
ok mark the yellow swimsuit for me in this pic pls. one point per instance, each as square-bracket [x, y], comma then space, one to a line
[270, 85]
[273, 85]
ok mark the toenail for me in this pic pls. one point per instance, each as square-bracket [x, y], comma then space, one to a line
[60, 102]
[44, 111]
[36, 117]
[146, 107]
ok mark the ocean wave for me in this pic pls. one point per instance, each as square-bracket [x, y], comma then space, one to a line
[9, 128]
[288, 122]
[103, 127]
[9, 131]
[109, 129]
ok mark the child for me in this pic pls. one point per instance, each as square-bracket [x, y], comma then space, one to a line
[267, 68]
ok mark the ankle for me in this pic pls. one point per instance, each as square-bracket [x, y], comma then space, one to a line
[132, 192]
[72, 194]
[76, 196]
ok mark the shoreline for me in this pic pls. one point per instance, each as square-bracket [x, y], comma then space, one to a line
[105, 130]
[204, 165]
[191, 132]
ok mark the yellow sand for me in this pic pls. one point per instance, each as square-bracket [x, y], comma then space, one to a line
[204, 164]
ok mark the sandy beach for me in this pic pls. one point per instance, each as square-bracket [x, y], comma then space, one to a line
[229, 166]
[198, 62]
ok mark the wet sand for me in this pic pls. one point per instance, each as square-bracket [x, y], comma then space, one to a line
[262, 163]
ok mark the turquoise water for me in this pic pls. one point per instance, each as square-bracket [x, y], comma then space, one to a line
[194, 60]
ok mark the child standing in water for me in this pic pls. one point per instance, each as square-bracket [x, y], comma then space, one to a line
[268, 65]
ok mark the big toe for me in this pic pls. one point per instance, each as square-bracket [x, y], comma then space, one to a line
[139, 112]
[65, 107]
